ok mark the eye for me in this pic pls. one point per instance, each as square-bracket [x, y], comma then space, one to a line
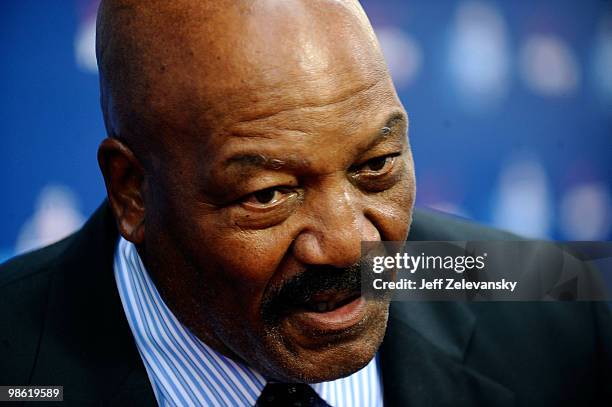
[266, 207]
[378, 174]
[266, 197]
[378, 164]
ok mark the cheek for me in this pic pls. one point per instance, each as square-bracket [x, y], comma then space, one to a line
[391, 211]
[243, 261]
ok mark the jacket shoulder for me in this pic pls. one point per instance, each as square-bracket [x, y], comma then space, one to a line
[24, 286]
[27, 283]
[29, 265]
[428, 225]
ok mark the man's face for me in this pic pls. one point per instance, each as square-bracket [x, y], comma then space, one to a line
[256, 210]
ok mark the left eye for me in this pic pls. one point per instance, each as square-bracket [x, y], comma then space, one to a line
[378, 164]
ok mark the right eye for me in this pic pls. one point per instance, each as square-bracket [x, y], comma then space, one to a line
[265, 208]
[266, 198]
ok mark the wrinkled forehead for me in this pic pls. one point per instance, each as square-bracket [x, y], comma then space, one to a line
[238, 62]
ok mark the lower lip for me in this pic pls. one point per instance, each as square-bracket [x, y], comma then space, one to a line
[335, 321]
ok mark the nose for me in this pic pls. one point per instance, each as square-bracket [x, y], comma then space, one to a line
[335, 227]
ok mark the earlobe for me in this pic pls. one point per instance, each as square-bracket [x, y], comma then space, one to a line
[125, 187]
[131, 232]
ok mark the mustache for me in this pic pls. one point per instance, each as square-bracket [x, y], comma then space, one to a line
[302, 287]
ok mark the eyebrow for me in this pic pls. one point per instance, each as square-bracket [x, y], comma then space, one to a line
[394, 121]
[263, 161]
[259, 160]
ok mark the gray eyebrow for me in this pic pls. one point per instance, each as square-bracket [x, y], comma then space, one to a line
[263, 161]
[395, 119]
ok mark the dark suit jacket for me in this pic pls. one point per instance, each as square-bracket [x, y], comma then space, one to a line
[62, 323]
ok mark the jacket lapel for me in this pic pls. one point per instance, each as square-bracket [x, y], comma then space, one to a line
[85, 318]
[423, 354]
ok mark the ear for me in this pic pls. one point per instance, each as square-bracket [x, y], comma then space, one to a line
[125, 187]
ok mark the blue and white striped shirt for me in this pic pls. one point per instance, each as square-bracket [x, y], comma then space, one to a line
[184, 371]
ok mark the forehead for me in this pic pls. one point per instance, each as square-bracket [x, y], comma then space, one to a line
[302, 53]
[254, 61]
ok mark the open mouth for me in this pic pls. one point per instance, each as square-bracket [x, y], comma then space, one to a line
[318, 304]
[327, 302]
[329, 312]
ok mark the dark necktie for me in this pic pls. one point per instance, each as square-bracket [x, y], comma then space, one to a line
[289, 395]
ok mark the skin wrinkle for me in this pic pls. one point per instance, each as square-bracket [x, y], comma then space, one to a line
[258, 128]
[351, 94]
[180, 80]
[272, 134]
[390, 124]
[263, 161]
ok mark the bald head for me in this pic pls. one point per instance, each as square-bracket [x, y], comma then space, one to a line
[171, 66]
[254, 145]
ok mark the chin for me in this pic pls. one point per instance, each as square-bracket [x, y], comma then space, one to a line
[308, 352]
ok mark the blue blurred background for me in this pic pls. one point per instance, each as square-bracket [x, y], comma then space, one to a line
[510, 106]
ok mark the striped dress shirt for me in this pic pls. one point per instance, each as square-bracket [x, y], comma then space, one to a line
[184, 371]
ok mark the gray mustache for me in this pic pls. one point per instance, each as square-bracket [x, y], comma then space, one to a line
[302, 287]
